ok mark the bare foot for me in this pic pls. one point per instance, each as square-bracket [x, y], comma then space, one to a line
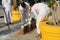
[39, 36]
[22, 31]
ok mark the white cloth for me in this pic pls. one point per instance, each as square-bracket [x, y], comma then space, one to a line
[58, 3]
[7, 5]
[26, 12]
[40, 10]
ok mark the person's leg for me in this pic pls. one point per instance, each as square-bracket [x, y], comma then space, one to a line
[37, 22]
[37, 25]
[40, 17]
[10, 15]
[6, 16]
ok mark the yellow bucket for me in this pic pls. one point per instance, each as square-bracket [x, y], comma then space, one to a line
[16, 16]
[49, 32]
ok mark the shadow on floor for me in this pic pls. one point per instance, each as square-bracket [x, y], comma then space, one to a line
[7, 31]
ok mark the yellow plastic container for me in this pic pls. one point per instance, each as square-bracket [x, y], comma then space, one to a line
[16, 16]
[49, 32]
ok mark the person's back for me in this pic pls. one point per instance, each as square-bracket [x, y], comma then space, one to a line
[39, 7]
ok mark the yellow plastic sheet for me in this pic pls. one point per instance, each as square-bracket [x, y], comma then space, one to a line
[16, 16]
[49, 32]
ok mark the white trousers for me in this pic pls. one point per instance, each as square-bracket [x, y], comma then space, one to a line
[8, 15]
[42, 14]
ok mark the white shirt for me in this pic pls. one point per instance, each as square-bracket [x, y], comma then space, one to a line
[40, 11]
[58, 2]
[21, 8]
[6, 3]
[38, 7]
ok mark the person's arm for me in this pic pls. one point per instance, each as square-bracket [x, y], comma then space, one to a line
[29, 11]
[23, 13]
[33, 10]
